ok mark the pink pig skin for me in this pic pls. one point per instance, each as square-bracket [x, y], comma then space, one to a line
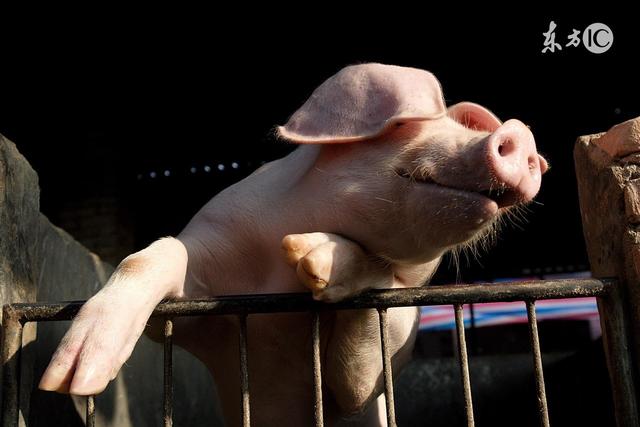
[385, 182]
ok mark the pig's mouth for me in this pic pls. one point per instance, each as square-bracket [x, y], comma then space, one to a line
[501, 194]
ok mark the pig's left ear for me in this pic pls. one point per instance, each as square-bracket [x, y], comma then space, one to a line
[474, 116]
[364, 101]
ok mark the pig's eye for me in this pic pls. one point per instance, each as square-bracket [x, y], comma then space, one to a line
[398, 124]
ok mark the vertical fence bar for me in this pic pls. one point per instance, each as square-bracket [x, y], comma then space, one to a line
[90, 420]
[244, 372]
[537, 361]
[615, 322]
[386, 366]
[317, 369]
[464, 364]
[168, 373]
[11, 352]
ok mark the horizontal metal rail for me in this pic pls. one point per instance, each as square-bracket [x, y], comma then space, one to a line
[298, 302]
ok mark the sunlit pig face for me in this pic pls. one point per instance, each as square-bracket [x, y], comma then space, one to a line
[418, 178]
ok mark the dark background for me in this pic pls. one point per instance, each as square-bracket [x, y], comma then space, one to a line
[100, 100]
[98, 103]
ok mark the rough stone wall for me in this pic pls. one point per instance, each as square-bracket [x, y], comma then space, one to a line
[41, 262]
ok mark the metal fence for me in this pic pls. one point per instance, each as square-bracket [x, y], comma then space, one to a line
[16, 315]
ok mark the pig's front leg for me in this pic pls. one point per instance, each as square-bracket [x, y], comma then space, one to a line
[333, 267]
[105, 331]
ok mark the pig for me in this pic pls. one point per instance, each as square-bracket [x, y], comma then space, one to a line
[386, 179]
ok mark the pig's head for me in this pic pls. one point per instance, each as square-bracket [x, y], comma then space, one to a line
[408, 176]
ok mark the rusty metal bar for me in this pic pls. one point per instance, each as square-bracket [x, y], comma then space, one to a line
[244, 372]
[298, 302]
[11, 350]
[464, 364]
[386, 367]
[537, 361]
[615, 322]
[317, 369]
[168, 373]
[90, 420]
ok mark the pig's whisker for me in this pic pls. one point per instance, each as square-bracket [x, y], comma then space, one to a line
[513, 218]
[455, 260]
[519, 214]
[484, 240]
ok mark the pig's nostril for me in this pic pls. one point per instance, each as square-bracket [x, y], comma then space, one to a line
[506, 147]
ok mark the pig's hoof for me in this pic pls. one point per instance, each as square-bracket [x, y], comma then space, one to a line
[334, 268]
[295, 246]
[98, 343]
[315, 271]
[327, 264]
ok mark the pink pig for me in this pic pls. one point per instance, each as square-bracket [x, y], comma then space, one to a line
[386, 180]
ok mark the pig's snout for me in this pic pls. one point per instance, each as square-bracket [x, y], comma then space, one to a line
[514, 162]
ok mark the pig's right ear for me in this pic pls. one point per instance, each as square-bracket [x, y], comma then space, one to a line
[474, 116]
[364, 101]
